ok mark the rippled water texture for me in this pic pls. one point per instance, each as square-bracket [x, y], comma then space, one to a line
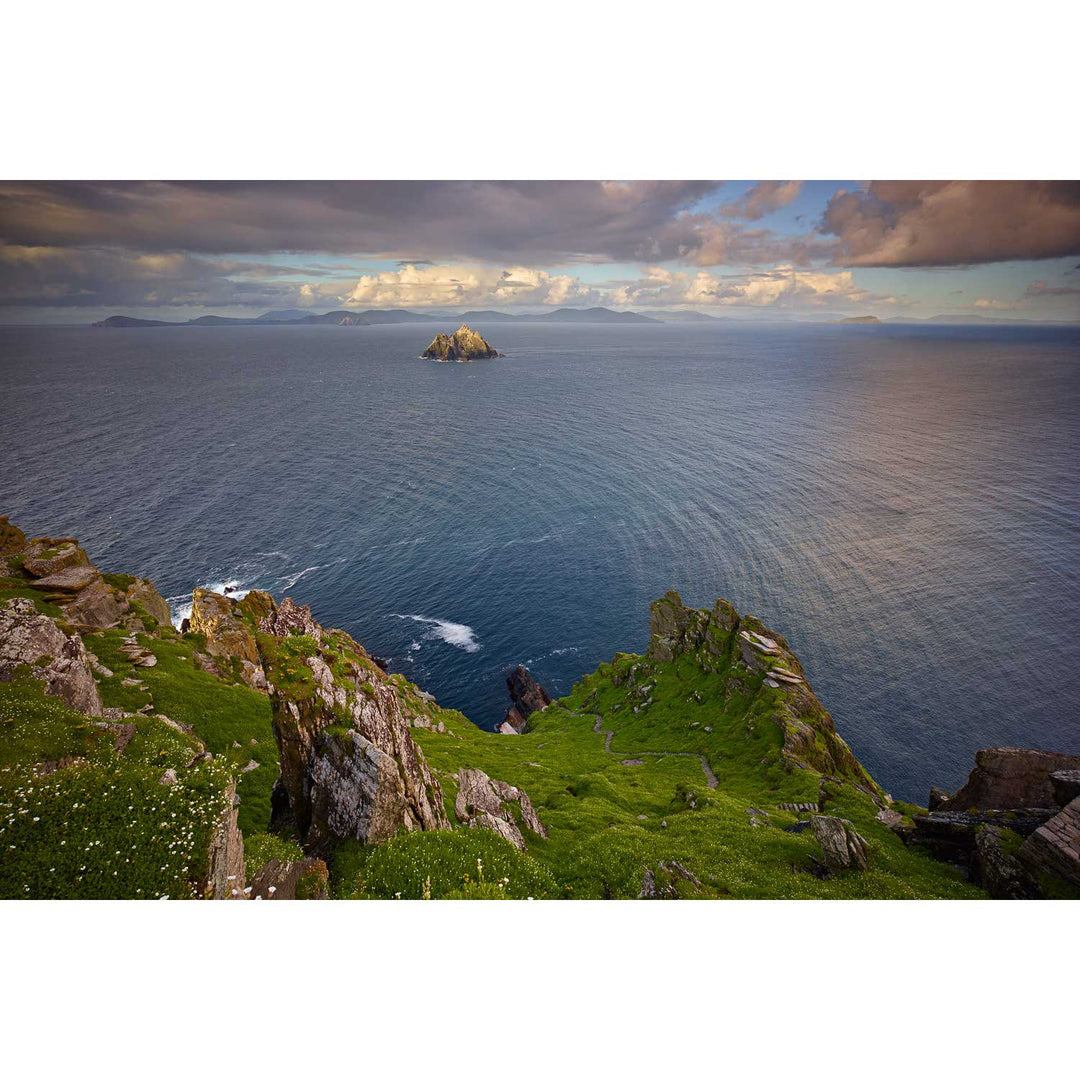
[902, 503]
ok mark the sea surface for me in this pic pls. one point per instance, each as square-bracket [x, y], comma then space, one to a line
[901, 502]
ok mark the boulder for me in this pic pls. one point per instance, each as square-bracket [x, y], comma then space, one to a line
[12, 540]
[484, 802]
[69, 579]
[304, 879]
[528, 697]
[59, 661]
[47, 557]
[842, 847]
[1005, 778]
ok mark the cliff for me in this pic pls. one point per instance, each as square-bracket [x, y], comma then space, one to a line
[463, 344]
[261, 754]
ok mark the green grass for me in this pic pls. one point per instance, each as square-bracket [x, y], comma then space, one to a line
[220, 714]
[103, 827]
[608, 822]
[464, 863]
[260, 848]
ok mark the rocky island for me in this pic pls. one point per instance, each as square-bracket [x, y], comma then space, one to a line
[464, 344]
[256, 754]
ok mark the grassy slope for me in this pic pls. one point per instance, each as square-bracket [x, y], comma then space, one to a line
[607, 820]
[104, 827]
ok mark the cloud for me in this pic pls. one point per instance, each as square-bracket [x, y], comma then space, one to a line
[468, 286]
[91, 277]
[955, 222]
[763, 198]
[487, 221]
[997, 305]
[786, 286]
[1042, 288]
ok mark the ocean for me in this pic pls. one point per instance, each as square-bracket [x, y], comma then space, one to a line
[900, 501]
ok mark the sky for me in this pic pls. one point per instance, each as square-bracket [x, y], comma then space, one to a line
[75, 252]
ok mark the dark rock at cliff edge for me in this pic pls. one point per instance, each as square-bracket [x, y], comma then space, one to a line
[528, 697]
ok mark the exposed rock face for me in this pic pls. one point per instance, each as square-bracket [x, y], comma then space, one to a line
[1055, 846]
[1004, 778]
[229, 627]
[950, 835]
[761, 661]
[484, 803]
[305, 879]
[842, 846]
[225, 880]
[528, 697]
[463, 344]
[1066, 785]
[1003, 876]
[144, 593]
[59, 661]
[288, 618]
[349, 766]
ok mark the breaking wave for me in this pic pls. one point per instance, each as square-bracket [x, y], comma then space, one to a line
[464, 637]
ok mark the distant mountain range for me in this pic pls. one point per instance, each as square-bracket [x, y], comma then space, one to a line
[295, 317]
[372, 317]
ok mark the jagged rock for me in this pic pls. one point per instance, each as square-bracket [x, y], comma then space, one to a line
[1066, 784]
[528, 697]
[304, 879]
[505, 728]
[213, 615]
[12, 540]
[842, 846]
[168, 777]
[59, 661]
[225, 880]
[348, 763]
[1003, 876]
[463, 344]
[290, 618]
[661, 886]
[484, 802]
[69, 579]
[1005, 778]
[1055, 846]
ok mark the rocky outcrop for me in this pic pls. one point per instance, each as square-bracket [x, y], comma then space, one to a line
[46, 557]
[842, 847]
[463, 344]
[1005, 778]
[229, 628]
[34, 643]
[288, 618]
[1001, 874]
[485, 803]
[142, 592]
[663, 884]
[349, 766]
[528, 697]
[1054, 848]
[758, 661]
[304, 879]
[225, 880]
